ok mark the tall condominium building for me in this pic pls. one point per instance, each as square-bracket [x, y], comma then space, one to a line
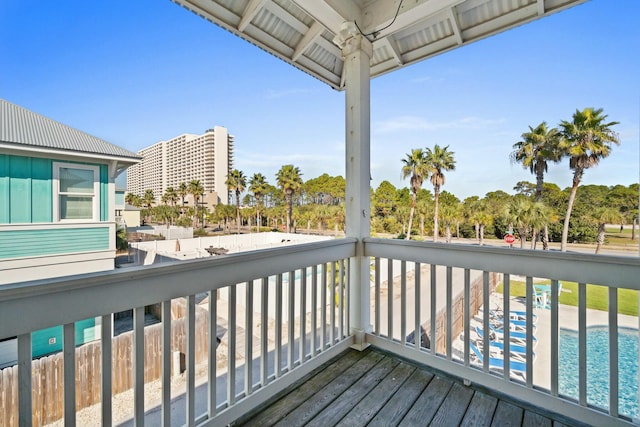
[207, 158]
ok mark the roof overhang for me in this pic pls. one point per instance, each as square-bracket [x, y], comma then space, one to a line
[301, 32]
[60, 154]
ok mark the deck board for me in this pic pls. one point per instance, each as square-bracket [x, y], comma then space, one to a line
[455, 405]
[325, 396]
[480, 411]
[368, 407]
[399, 404]
[373, 388]
[348, 400]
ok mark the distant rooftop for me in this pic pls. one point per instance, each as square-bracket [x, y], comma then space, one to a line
[21, 126]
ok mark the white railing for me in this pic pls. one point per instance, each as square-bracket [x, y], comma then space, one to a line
[282, 312]
[288, 303]
[448, 296]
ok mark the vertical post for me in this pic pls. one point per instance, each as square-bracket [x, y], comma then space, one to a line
[357, 52]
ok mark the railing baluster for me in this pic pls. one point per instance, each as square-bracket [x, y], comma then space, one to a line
[191, 360]
[264, 336]
[417, 303]
[248, 344]
[449, 312]
[231, 353]
[314, 310]
[529, 331]
[166, 364]
[106, 379]
[506, 309]
[390, 298]
[432, 314]
[582, 344]
[332, 320]
[467, 314]
[347, 292]
[303, 314]
[613, 352]
[69, 352]
[291, 321]
[555, 339]
[341, 287]
[25, 411]
[323, 303]
[403, 302]
[138, 366]
[278, 326]
[485, 326]
[212, 324]
[376, 325]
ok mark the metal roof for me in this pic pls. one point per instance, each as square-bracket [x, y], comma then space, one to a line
[403, 32]
[28, 129]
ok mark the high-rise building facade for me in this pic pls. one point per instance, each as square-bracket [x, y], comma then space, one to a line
[207, 158]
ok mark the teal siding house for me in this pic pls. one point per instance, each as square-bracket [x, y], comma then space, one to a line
[57, 197]
[57, 204]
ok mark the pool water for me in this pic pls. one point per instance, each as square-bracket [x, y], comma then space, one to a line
[598, 367]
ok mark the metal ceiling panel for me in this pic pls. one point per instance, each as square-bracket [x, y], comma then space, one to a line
[300, 32]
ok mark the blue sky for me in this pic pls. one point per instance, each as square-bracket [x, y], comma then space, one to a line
[137, 72]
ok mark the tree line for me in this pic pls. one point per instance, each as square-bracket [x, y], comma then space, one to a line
[534, 213]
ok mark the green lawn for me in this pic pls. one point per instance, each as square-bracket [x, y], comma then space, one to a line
[597, 296]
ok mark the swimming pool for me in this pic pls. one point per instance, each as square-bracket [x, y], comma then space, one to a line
[598, 367]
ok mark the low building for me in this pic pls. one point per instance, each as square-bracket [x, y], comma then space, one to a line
[57, 205]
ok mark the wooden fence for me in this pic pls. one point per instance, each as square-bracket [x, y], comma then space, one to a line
[47, 372]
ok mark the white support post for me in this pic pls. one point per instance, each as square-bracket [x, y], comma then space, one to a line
[357, 51]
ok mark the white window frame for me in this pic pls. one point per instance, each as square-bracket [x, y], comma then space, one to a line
[56, 191]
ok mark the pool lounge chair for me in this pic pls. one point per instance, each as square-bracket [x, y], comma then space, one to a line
[519, 343]
[515, 366]
[514, 336]
[514, 332]
[513, 315]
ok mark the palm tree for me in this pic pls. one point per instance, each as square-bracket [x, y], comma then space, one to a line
[450, 214]
[170, 196]
[603, 216]
[414, 166]
[538, 146]
[258, 186]
[130, 199]
[183, 190]
[519, 212]
[437, 161]
[196, 189]
[236, 182]
[585, 140]
[289, 180]
[149, 198]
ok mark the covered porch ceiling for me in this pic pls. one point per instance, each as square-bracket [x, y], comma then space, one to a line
[402, 32]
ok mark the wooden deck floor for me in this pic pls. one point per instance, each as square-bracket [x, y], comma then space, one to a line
[373, 388]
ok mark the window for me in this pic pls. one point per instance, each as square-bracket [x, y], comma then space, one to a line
[76, 192]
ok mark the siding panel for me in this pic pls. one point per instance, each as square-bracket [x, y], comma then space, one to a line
[4, 190]
[41, 190]
[20, 189]
[25, 243]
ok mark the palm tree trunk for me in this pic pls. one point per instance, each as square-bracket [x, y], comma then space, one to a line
[436, 199]
[633, 229]
[545, 238]
[288, 197]
[565, 227]
[238, 210]
[413, 208]
[600, 239]
[480, 230]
